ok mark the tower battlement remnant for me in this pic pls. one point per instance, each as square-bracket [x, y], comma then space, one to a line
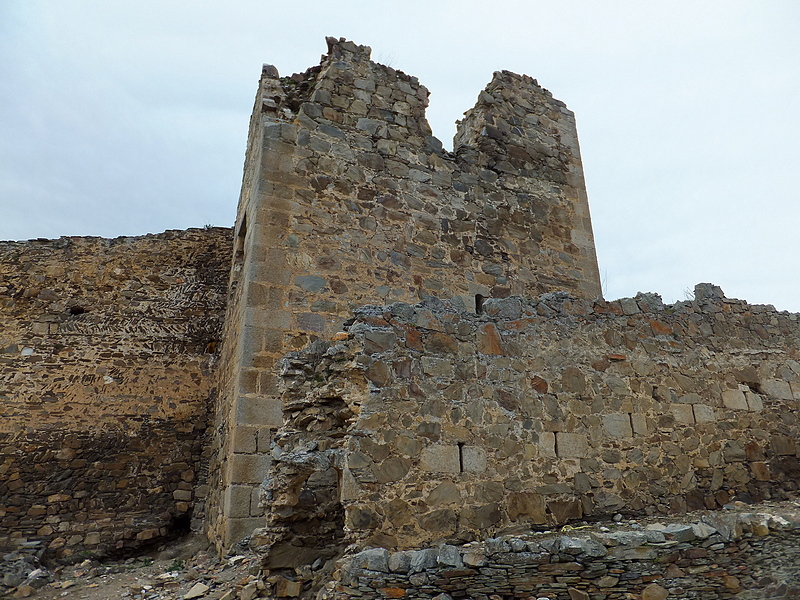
[348, 199]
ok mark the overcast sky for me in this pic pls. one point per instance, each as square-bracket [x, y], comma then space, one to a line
[126, 118]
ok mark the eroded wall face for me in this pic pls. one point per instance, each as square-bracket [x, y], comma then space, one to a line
[537, 413]
[349, 200]
[107, 349]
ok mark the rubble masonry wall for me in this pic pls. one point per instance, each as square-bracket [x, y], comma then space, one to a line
[107, 349]
[433, 425]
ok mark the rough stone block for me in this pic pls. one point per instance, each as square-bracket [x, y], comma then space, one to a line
[565, 510]
[760, 471]
[754, 401]
[777, 388]
[639, 424]
[374, 559]
[679, 532]
[423, 559]
[440, 458]
[449, 556]
[400, 562]
[576, 594]
[782, 445]
[734, 399]
[489, 340]
[571, 445]
[683, 413]
[619, 425]
[437, 367]
[183, 495]
[391, 469]
[655, 591]
[629, 306]
[703, 413]
[573, 380]
[92, 538]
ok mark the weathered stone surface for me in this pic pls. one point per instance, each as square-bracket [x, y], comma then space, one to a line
[734, 399]
[107, 350]
[440, 458]
[400, 562]
[571, 445]
[654, 592]
[374, 559]
[196, 591]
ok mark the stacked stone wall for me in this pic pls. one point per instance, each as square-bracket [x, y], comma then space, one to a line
[349, 199]
[455, 426]
[731, 554]
[107, 351]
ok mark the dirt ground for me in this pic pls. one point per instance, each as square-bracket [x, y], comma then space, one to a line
[172, 573]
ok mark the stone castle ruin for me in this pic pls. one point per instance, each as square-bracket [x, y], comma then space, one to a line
[397, 347]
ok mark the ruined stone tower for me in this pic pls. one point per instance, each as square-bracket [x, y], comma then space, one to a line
[348, 199]
[415, 364]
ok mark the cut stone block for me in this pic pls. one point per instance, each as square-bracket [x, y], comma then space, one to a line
[440, 458]
[572, 445]
[259, 411]
[547, 444]
[237, 501]
[474, 459]
[249, 468]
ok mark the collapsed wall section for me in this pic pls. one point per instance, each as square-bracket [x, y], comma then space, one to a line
[541, 412]
[107, 348]
[348, 199]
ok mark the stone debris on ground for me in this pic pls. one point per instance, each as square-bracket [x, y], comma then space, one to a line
[744, 552]
[201, 576]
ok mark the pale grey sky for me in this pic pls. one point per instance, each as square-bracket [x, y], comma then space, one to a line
[128, 118]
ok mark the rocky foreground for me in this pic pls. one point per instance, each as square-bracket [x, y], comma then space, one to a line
[744, 551]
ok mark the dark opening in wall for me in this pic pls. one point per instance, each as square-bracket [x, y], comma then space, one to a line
[461, 456]
[479, 303]
[77, 310]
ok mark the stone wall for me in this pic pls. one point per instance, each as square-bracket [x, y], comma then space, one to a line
[430, 424]
[107, 349]
[737, 553]
[348, 199]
